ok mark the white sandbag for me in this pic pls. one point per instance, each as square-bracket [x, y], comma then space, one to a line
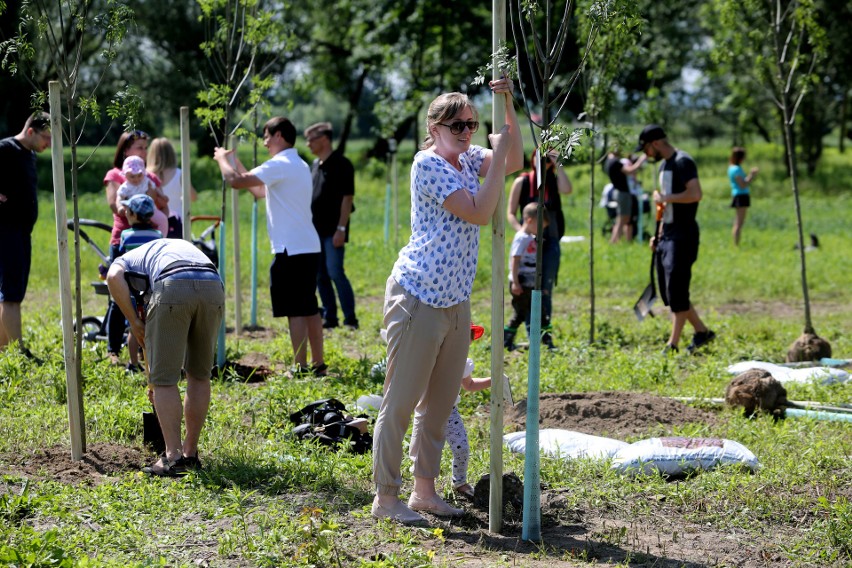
[368, 402]
[804, 375]
[675, 456]
[566, 444]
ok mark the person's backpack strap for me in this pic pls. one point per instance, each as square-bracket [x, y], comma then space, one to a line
[298, 417]
[316, 410]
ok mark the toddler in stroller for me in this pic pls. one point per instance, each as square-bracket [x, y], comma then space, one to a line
[94, 327]
[206, 241]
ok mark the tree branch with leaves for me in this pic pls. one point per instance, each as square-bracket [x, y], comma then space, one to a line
[64, 31]
[784, 48]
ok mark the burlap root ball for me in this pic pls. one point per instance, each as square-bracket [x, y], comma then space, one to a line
[808, 347]
[757, 391]
[513, 494]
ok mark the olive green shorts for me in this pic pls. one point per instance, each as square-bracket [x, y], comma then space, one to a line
[182, 325]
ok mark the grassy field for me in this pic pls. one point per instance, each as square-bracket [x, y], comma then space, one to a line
[265, 500]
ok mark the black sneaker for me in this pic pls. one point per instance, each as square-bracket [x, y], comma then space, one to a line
[330, 324]
[351, 323]
[701, 338]
[670, 349]
[509, 340]
[547, 341]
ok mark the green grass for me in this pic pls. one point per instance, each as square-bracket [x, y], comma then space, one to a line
[264, 500]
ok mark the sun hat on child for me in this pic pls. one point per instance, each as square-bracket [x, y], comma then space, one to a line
[133, 165]
[141, 205]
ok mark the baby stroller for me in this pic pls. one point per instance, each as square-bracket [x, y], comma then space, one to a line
[206, 241]
[609, 203]
[94, 327]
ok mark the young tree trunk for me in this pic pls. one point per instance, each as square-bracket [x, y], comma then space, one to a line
[354, 100]
[78, 304]
[789, 141]
[592, 236]
[791, 156]
[844, 106]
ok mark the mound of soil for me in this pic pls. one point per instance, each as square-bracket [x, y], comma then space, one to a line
[251, 367]
[100, 461]
[613, 414]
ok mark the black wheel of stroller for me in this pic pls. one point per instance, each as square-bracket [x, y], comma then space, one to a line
[91, 327]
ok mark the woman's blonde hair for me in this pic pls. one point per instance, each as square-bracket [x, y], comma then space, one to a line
[443, 108]
[161, 156]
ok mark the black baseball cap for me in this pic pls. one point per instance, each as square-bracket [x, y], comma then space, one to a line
[649, 134]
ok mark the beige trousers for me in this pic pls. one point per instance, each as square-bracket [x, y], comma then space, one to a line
[427, 350]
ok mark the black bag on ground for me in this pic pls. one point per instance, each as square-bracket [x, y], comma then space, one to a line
[327, 423]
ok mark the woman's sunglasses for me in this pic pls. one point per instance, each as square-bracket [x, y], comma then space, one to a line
[137, 134]
[457, 127]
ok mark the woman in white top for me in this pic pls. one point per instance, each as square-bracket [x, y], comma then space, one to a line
[162, 162]
[427, 299]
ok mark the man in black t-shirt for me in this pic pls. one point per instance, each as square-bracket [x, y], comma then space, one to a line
[676, 244]
[18, 214]
[334, 190]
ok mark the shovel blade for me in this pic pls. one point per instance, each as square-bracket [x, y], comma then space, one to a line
[152, 435]
[507, 392]
[643, 305]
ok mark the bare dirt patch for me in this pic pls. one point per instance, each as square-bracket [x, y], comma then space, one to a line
[579, 538]
[614, 414]
[257, 332]
[779, 310]
[251, 367]
[99, 462]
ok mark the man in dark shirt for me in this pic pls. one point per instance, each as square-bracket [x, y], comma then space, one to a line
[618, 172]
[18, 214]
[676, 246]
[334, 189]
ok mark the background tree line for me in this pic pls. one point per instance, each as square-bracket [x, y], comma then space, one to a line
[370, 65]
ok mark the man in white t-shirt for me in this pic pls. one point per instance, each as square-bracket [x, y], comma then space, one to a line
[285, 181]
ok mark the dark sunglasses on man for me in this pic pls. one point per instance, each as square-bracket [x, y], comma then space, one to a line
[458, 126]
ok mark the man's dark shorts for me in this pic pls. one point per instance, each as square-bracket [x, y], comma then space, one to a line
[624, 203]
[675, 258]
[293, 285]
[15, 260]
